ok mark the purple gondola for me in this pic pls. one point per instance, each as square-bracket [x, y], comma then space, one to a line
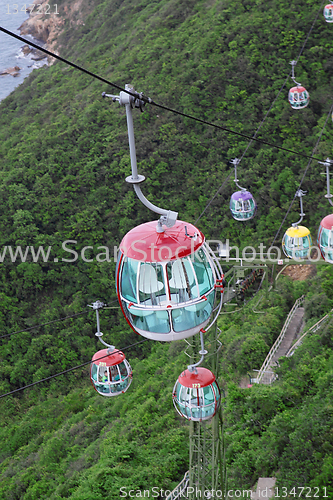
[242, 205]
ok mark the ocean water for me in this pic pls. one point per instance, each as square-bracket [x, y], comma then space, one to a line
[11, 49]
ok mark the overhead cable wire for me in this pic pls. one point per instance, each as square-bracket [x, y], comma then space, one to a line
[54, 321]
[304, 174]
[150, 101]
[240, 134]
[68, 370]
[43, 324]
[307, 38]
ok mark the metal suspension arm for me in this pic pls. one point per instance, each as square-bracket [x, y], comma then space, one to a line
[235, 162]
[293, 64]
[96, 306]
[300, 193]
[327, 165]
[168, 217]
[203, 352]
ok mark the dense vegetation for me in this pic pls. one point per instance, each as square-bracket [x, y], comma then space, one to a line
[64, 157]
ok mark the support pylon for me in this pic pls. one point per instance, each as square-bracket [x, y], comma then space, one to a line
[207, 461]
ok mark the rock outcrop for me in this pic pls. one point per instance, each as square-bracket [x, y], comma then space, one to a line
[45, 22]
[11, 71]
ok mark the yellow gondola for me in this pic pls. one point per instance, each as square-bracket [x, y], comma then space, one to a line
[296, 242]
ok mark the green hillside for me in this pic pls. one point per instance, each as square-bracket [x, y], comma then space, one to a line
[63, 161]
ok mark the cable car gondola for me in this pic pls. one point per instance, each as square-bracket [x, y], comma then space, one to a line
[166, 280]
[242, 204]
[328, 13]
[110, 372]
[297, 241]
[298, 96]
[196, 394]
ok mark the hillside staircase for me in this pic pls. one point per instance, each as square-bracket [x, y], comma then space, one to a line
[181, 489]
[291, 328]
[313, 329]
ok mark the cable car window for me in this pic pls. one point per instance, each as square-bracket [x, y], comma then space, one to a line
[208, 395]
[123, 370]
[94, 372]
[117, 267]
[103, 375]
[217, 391]
[102, 384]
[151, 283]
[324, 237]
[203, 271]
[247, 205]
[182, 394]
[306, 242]
[181, 280]
[239, 205]
[188, 317]
[330, 239]
[128, 279]
[197, 397]
[148, 320]
[114, 373]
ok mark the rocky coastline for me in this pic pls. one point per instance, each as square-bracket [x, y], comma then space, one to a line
[45, 23]
[44, 27]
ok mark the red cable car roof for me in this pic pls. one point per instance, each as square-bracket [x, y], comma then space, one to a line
[103, 358]
[145, 244]
[327, 222]
[298, 89]
[194, 380]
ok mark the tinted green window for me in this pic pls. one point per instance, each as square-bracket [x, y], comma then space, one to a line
[181, 280]
[191, 316]
[148, 320]
[128, 279]
[203, 272]
[151, 283]
[94, 372]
